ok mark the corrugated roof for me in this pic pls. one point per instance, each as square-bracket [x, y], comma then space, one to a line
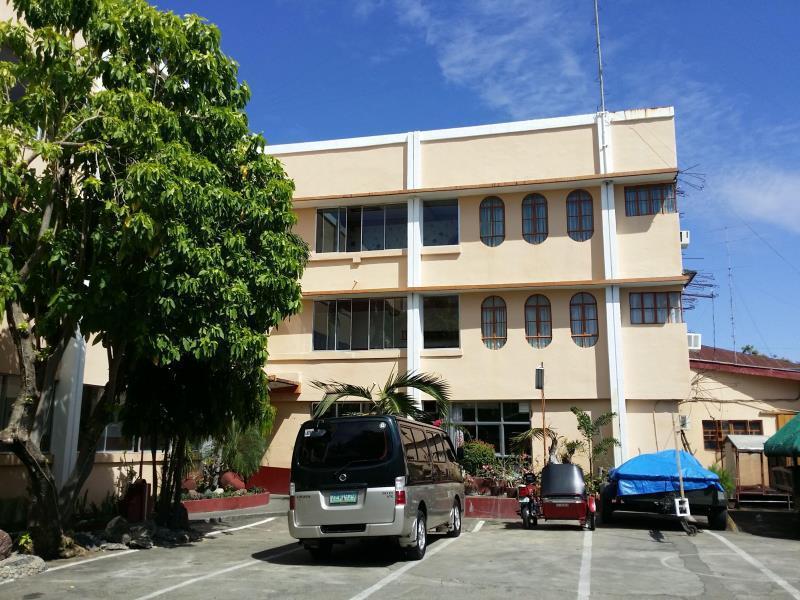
[786, 442]
[720, 359]
[748, 443]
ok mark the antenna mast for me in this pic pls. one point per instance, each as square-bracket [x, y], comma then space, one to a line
[599, 57]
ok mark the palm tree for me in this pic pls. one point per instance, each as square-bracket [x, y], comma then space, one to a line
[391, 399]
[524, 439]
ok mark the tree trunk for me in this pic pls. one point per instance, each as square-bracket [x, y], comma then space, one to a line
[44, 516]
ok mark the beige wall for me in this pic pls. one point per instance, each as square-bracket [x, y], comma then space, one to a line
[648, 245]
[655, 357]
[644, 144]
[350, 171]
[558, 258]
[731, 396]
[510, 157]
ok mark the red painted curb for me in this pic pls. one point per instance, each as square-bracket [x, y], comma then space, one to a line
[229, 503]
[491, 507]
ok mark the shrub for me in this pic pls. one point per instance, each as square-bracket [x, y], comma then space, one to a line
[243, 450]
[476, 455]
[725, 478]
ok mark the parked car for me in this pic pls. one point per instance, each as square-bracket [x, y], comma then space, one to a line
[649, 483]
[373, 476]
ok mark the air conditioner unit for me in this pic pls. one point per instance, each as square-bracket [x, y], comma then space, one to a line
[694, 341]
[685, 238]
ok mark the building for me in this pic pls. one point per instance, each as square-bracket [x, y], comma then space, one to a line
[479, 253]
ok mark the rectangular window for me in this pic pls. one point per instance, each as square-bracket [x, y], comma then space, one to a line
[341, 409]
[440, 321]
[359, 324]
[649, 308]
[495, 423]
[362, 228]
[650, 199]
[715, 432]
[439, 222]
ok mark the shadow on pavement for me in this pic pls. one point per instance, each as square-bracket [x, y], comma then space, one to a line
[781, 524]
[352, 553]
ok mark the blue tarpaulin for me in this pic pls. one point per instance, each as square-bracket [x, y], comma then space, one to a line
[658, 472]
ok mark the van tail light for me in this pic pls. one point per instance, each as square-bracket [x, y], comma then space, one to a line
[291, 496]
[400, 491]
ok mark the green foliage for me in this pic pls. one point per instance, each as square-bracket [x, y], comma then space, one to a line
[243, 449]
[477, 455]
[391, 399]
[725, 478]
[152, 190]
[25, 543]
[591, 430]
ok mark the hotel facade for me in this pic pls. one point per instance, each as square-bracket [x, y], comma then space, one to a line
[479, 253]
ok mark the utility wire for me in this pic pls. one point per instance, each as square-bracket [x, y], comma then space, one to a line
[752, 320]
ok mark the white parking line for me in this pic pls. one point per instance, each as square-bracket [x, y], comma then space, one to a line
[89, 560]
[793, 591]
[585, 577]
[408, 566]
[210, 533]
[236, 567]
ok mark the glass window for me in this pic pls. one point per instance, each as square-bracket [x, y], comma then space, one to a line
[339, 443]
[583, 319]
[650, 199]
[516, 411]
[715, 432]
[492, 221]
[439, 222]
[440, 316]
[423, 452]
[360, 324]
[493, 322]
[409, 444]
[331, 229]
[396, 226]
[373, 227]
[655, 308]
[491, 435]
[538, 321]
[357, 228]
[534, 218]
[489, 411]
[580, 216]
[493, 422]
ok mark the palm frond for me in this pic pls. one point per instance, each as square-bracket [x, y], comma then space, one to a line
[604, 419]
[428, 383]
[335, 390]
[534, 433]
[399, 404]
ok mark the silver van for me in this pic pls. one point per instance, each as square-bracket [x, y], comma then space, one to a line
[373, 476]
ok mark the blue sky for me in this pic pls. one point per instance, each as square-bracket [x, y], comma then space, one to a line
[327, 69]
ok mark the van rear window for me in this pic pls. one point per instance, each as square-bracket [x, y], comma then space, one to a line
[345, 442]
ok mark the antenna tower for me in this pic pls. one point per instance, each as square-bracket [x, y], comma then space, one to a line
[599, 56]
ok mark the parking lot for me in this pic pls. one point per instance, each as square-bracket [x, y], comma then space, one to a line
[492, 559]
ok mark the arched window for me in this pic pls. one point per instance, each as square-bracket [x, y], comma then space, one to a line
[583, 319]
[534, 218]
[538, 321]
[493, 221]
[580, 218]
[493, 322]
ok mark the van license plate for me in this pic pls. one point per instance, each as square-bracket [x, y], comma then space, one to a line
[344, 498]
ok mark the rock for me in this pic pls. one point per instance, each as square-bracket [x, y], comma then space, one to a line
[111, 546]
[116, 529]
[141, 543]
[194, 494]
[219, 491]
[5, 545]
[18, 566]
[87, 540]
[241, 492]
[182, 538]
[141, 536]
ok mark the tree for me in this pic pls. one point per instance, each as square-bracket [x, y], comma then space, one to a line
[591, 430]
[750, 349]
[523, 441]
[392, 398]
[135, 203]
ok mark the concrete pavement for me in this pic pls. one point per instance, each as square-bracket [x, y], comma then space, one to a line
[257, 558]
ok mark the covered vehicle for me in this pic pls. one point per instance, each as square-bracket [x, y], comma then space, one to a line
[562, 497]
[650, 483]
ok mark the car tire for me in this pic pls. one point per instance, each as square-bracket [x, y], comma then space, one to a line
[718, 519]
[591, 521]
[525, 513]
[455, 521]
[417, 551]
[321, 552]
[606, 512]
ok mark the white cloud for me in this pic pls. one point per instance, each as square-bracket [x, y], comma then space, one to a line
[762, 192]
[524, 58]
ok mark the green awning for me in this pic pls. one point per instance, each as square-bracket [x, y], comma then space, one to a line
[786, 442]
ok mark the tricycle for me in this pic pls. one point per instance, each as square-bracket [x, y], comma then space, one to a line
[560, 496]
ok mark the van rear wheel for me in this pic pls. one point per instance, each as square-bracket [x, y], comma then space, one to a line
[417, 551]
[455, 520]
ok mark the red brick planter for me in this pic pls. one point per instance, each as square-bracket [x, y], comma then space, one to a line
[229, 503]
[491, 507]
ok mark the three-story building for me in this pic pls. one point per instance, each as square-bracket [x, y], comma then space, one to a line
[479, 253]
